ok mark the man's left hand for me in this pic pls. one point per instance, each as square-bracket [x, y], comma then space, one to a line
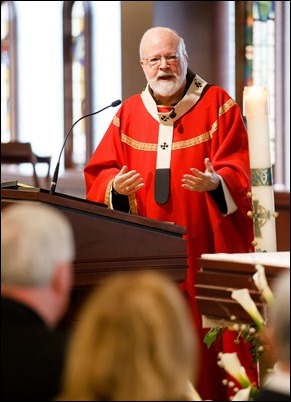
[199, 181]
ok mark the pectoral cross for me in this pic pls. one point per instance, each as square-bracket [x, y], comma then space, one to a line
[165, 145]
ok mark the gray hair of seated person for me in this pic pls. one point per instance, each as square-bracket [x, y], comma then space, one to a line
[34, 238]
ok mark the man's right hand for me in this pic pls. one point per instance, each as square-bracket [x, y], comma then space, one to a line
[127, 182]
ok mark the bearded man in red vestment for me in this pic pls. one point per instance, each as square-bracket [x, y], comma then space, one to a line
[178, 152]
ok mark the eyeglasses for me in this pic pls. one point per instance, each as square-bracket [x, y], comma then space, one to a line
[157, 60]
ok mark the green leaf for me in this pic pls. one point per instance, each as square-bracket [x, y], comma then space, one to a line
[211, 335]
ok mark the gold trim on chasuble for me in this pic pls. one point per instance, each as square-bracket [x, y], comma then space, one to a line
[108, 199]
[153, 147]
[147, 146]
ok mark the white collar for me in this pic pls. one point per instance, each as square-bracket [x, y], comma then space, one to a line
[189, 99]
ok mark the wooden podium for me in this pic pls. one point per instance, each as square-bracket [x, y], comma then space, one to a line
[221, 273]
[109, 241]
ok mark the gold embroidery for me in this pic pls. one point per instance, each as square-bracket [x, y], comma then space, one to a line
[145, 146]
[131, 199]
[116, 121]
[193, 141]
[133, 204]
[224, 108]
[107, 194]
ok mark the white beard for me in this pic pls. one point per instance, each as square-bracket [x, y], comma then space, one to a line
[165, 88]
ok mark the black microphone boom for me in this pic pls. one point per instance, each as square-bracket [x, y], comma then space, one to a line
[56, 172]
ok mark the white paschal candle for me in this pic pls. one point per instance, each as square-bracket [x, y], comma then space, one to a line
[256, 110]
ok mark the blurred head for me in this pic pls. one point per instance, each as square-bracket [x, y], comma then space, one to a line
[279, 318]
[134, 341]
[34, 238]
[164, 60]
[37, 251]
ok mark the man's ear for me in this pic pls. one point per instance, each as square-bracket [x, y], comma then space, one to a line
[61, 288]
[63, 278]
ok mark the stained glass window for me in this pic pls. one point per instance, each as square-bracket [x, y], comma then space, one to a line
[259, 66]
[78, 82]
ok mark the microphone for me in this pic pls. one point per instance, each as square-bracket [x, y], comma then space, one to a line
[56, 172]
[173, 114]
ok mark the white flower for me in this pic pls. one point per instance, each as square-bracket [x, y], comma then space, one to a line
[232, 365]
[261, 283]
[242, 395]
[242, 296]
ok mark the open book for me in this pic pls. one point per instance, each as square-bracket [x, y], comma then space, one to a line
[15, 185]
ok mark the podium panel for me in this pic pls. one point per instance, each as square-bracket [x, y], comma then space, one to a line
[109, 241]
[220, 274]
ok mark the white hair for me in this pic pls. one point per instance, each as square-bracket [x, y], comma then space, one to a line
[151, 32]
[34, 238]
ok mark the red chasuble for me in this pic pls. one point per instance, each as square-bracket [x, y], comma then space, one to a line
[205, 124]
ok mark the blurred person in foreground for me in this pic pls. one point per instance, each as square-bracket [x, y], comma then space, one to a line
[133, 341]
[37, 250]
[178, 152]
[276, 385]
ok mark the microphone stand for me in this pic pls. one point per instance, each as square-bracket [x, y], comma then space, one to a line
[56, 172]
